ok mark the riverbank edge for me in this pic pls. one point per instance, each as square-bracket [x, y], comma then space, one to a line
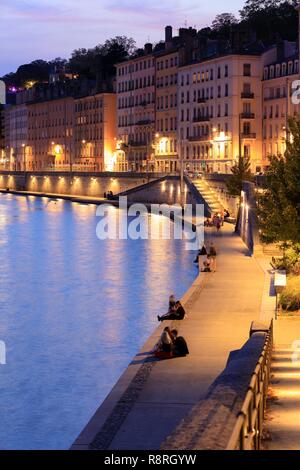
[102, 414]
[90, 200]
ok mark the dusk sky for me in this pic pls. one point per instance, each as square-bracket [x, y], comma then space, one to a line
[45, 29]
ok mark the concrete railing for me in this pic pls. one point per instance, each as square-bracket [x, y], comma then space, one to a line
[247, 432]
[230, 416]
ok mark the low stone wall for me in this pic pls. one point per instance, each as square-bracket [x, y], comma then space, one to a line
[77, 184]
[210, 423]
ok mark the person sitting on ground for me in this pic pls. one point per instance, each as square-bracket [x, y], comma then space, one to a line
[177, 314]
[207, 265]
[172, 303]
[166, 341]
[180, 347]
[212, 255]
[201, 254]
[226, 214]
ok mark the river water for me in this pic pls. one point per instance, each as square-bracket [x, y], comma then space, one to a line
[74, 310]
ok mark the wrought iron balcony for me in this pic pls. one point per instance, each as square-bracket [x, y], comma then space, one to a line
[201, 119]
[247, 115]
[249, 135]
[247, 95]
[200, 138]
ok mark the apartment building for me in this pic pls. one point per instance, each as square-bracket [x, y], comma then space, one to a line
[136, 112]
[95, 131]
[177, 51]
[50, 134]
[219, 113]
[16, 136]
[166, 155]
[280, 70]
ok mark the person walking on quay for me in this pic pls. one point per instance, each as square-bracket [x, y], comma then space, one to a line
[213, 256]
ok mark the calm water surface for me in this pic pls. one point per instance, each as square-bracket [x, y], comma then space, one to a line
[73, 312]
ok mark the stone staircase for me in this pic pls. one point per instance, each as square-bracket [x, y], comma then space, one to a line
[208, 195]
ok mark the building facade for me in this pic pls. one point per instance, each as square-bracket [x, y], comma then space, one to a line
[50, 135]
[219, 113]
[16, 136]
[95, 132]
[280, 71]
[136, 112]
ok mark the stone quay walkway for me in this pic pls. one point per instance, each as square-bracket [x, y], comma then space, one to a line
[282, 423]
[152, 396]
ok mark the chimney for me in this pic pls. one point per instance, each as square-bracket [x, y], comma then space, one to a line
[148, 48]
[168, 33]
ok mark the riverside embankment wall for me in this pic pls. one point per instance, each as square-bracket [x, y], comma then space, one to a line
[76, 183]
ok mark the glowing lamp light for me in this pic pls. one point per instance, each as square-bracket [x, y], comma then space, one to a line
[57, 149]
[109, 160]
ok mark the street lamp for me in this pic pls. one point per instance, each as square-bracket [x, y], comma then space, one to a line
[24, 156]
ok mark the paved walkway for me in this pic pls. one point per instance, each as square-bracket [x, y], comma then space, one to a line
[283, 415]
[152, 397]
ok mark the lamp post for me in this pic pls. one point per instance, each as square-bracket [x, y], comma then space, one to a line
[24, 157]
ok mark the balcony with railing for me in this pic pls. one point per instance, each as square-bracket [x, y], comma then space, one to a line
[200, 138]
[144, 122]
[201, 119]
[248, 135]
[137, 143]
[246, 115]
[247, 95]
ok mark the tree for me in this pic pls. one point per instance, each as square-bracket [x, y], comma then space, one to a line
[224, 21]
[279, 204]
[271, 19]
[253, 7]
[241, 171]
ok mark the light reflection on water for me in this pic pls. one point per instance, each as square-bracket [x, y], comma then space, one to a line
[73, 312]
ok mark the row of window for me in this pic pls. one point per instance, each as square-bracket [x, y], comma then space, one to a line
[93, 104]
[166, 125]
[205, 112]
[90, 119]
[166, 102]
[209, 74]
[281, 70]
[166, 81]
[130, 85]
[130, 101]
[139, 65]
[162, 64]
[279, 111]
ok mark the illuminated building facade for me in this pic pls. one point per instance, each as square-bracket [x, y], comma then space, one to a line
[136, 111]
[50, 134]
[219, 113]
[280, 70]
[95, 131]
[166, 154]
[16, 136]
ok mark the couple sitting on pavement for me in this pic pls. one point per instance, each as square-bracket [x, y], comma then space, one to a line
[206, 259]
[170, 344]
[176, 311]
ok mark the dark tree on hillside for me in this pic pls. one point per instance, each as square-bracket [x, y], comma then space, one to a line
[271, 19]
[224, 21]
[254, 7]
[88, 62]
[279, 205]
